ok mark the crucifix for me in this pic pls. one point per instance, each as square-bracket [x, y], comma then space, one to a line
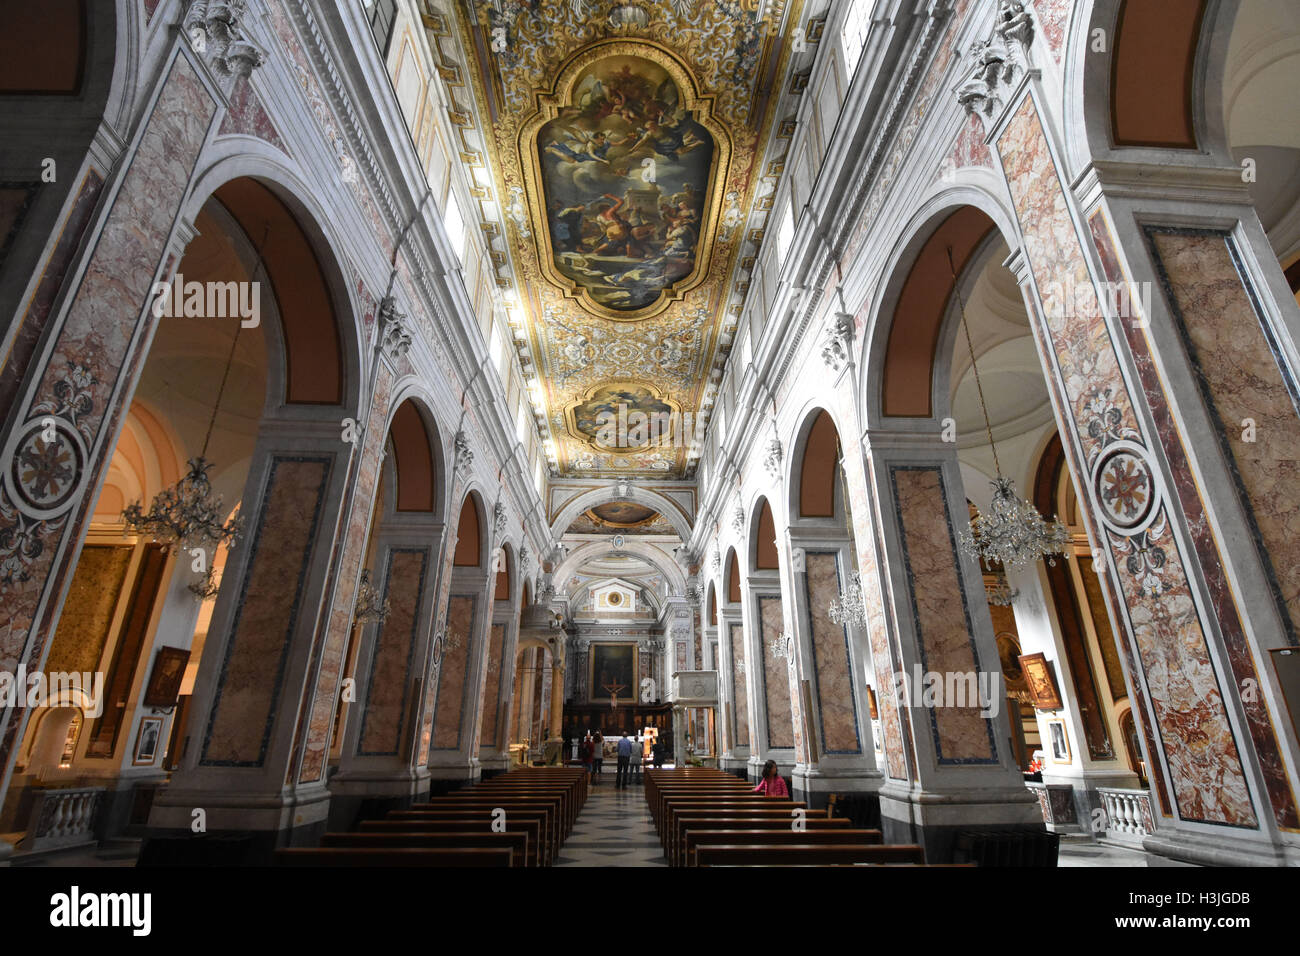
[612, 688]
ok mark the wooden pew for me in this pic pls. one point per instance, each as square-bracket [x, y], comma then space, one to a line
[469, 840]
[733, 822]
[523, 822]
[806, 855]
[403, 856]
[554, 831]
[831, 836]
[674, 832]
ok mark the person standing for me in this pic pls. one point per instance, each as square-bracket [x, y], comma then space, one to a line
[624, 761]
[638, 757]
[597, 754]
[584, 753]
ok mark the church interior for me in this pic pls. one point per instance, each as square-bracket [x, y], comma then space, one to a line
[654, 433]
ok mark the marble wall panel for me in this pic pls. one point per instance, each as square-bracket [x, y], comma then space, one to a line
[1243, 381]
[1205, 765]
[945, 634]
[392, 660]
[88, 609]
[492, 691]
[453, 685]
[740, 710]
[776, 680]
[28, 335]
[1204, 539]
[351, 544]
[266, 617]
[92, 349]
[1053, 18]
[835, 699]
[894, 720]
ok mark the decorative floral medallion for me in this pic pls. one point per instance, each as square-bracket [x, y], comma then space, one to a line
[1124, 487]
[46, 466]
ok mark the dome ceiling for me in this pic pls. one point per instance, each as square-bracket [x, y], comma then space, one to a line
[630, 145]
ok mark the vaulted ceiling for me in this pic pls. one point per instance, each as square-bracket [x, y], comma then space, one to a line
[632, 146]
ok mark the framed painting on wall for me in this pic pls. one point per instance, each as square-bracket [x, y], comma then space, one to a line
[164, 685]
[612, 675]
[1037, 671]
[146, 742]
[1060, 742]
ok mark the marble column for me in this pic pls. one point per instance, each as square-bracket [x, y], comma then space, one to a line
[839, 755]
[1168, 349]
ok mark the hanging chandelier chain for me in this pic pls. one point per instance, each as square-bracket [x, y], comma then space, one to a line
[979, 385]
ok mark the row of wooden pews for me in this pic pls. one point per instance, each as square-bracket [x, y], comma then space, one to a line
[707, 817]
[517, 819]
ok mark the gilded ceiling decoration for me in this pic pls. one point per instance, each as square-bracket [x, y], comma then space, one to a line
[626, 140]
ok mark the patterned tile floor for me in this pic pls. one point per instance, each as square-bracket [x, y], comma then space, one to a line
[613, 829]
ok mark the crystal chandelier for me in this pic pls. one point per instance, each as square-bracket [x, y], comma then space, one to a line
[1011, 533]
[851, 606]
[1000, 592]
[188, 515]
[368, 606]
[781, 646]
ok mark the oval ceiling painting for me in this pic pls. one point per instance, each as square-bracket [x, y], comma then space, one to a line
[625, 173]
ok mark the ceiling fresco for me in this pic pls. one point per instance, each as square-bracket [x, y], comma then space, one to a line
[627, 141]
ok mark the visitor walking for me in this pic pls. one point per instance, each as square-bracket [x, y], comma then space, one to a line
[624, 759]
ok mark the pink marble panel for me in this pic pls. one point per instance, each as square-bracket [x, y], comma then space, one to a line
[449, 712]
[835, 697]
[382, 727]
[492, 691]
[248, 117]
[92, 348]
[940, 610]
[893, 719]
[430, 678]
[351, 543]
[1240, 656]
[1204, 763]
[776, 680]
[738, 670]
[1053, 18]
[267, 616]
[1243, 385]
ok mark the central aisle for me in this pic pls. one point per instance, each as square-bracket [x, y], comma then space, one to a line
[613, 829]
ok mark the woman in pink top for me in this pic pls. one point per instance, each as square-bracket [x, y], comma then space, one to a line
[772, 784]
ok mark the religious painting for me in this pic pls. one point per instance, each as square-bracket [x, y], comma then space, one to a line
[623, 417]
[165, 682]
[625, 171]
[1042, 685]
[146, 742]
[613, 673]
[1060, 742]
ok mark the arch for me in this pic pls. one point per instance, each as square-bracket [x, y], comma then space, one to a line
[312, 249]
[503, 589]
[732, 577]
[1153, 73]
[924, 347]
[413, 459]
[815, 477]
[907, 385]
[470, 541]
[313, 355]
[763, 554]
[599, 496]
[642, 549]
